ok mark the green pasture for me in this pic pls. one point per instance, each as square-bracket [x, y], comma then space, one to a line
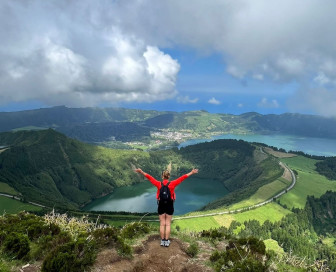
[196, 224]
[9, 205]
[264, 193]
[271, 211]
[6, 189]
[309, 182]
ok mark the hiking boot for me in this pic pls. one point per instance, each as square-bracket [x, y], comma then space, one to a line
[167, 243]
[163, 242]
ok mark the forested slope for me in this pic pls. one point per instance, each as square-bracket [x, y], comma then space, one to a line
[47, 167]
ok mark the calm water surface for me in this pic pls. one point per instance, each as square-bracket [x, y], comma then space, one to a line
[191, 194]
[309, 145]
[194, 193]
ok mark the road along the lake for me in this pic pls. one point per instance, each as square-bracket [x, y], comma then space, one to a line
[245, 208]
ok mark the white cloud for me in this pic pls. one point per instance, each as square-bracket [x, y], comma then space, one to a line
[235, 71]
[288, 43]
[314, 100]
[265, 103]
[186, 99]
[240, 105]
[87, 52]
[214, 101]
[258, 76]
[77, 59]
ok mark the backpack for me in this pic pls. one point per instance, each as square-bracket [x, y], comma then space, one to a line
[165, 193]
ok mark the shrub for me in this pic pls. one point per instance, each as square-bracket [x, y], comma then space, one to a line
[255, 245]
[192, 249]
[106, 237]
[135, 229]
[124, 249]
[72, 256]
[4, 267]
[218, 233]
[246, 254]
[16, 245]
[36, 229]
[111, 237]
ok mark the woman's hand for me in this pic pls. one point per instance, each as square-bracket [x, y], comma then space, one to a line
[194, 171]
[138, 170]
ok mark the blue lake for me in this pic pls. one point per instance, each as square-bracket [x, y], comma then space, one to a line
[191, 195]
[194, 193]
[309, 145]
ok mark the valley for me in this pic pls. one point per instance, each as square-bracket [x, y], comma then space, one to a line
[275, 196]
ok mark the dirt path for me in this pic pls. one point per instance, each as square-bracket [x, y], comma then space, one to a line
[151, 257]
[278, 154]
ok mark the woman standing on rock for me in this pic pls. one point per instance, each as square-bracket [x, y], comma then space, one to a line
[166, 197]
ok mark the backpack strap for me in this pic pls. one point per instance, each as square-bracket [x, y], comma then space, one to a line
[169, 190]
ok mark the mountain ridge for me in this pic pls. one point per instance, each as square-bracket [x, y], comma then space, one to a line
[71, 121]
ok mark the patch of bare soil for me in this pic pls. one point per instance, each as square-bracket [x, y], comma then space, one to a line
[278, 154]
[151, 257]
[286, 174]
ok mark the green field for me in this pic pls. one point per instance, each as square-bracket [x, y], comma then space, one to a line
[9, 205]
[196, 224]
[6, 189]
[264, 193]
[272, 212]
[309, 182]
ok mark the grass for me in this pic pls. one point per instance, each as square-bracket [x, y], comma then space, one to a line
[264, 193]
[196, 224]
[309, 182]
[273, 245]
[121, 223]
[9, 205]
[271, 211]
[6, 189]
[329, 241]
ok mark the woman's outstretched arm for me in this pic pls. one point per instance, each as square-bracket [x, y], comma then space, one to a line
[138, 170]
[194, 171]
[176, 182]
[149, 177]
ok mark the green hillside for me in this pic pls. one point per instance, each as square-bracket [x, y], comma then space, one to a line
[47, 167]
[103, 124]
[309, 182]
[63, 116]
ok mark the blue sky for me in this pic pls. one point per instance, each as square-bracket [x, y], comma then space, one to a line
[221, 56]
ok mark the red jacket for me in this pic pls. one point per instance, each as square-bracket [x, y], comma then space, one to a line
[171, 185]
